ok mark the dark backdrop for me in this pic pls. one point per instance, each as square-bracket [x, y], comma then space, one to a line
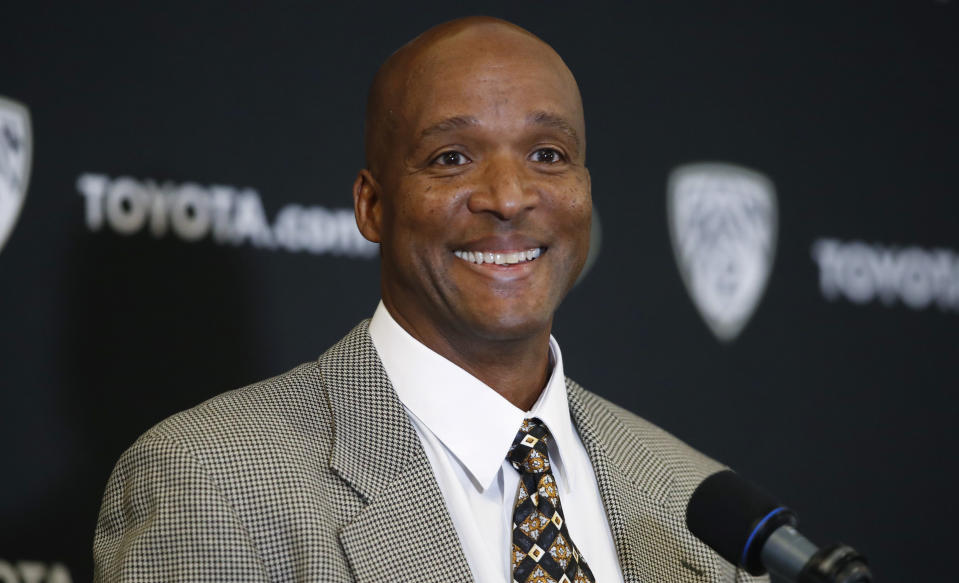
[845, 410]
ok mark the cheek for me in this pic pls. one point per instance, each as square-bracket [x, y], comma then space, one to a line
[424, 216]
[576, 207]
[574, 218]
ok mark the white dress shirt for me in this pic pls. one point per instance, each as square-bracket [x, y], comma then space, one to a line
[467, 428]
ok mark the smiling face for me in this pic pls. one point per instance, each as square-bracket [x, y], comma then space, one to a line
[477, 188]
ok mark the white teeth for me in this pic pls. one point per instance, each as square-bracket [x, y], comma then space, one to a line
[511, 258]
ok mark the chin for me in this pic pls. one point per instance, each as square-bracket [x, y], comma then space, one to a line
[513, 325]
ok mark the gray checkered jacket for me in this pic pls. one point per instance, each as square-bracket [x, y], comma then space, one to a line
[318, 475]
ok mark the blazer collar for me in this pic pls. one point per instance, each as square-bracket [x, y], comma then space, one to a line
[616, 449]
[377, 452]
[373, 440]
[643, 498]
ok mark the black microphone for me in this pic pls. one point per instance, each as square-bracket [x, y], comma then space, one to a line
[751, 529]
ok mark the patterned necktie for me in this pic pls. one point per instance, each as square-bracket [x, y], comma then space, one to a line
[542, 549]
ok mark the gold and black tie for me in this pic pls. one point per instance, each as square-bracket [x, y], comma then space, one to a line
[542, 549]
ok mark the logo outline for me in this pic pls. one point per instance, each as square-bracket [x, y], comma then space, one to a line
[14, 181]
[739, 196]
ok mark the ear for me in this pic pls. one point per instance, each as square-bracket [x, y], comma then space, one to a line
[367, 206]
[589, 183]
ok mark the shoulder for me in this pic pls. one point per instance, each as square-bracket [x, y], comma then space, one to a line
[283, 423]
[230, 478]
[261, 413]
[232, 446]
[285, 408]
[662, 464]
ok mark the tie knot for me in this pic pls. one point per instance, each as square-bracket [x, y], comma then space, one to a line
[528, 454]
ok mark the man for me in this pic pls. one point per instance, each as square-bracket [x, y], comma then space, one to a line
[439, 441]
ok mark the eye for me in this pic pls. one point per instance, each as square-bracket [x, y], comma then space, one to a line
[547, 156]
[451, 158]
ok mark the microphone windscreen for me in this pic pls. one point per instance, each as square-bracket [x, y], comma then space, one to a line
[724, 513]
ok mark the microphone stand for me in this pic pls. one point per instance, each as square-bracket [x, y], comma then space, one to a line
[794, 558]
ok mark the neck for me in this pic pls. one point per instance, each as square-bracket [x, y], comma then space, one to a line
[516, 368]
[518, 372]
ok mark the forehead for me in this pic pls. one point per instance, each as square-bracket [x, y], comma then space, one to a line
[505, 76]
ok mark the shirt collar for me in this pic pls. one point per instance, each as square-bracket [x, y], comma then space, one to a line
[472, 420]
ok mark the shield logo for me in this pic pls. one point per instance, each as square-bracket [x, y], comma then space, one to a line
[723, 221]
[16, 147]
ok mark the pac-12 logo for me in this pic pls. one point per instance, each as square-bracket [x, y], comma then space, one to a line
[723, 221]
[15, 149]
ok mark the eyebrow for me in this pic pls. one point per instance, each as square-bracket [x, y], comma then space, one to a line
[544, 118]
[540, 118]
[449, 124]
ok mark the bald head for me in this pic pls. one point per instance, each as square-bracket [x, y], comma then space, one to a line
[412, 78]
[476, 190]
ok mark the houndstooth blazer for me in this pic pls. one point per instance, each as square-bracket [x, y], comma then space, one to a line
[318, 475]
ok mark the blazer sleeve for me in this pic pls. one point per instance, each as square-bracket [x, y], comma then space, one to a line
[744, 577]
[164, 518]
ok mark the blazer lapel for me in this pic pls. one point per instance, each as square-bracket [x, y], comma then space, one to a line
[635, 484]
[405, 532]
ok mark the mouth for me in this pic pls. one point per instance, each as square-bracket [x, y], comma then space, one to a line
[500, 257]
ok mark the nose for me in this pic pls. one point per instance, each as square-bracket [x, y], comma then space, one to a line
[504, 189]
